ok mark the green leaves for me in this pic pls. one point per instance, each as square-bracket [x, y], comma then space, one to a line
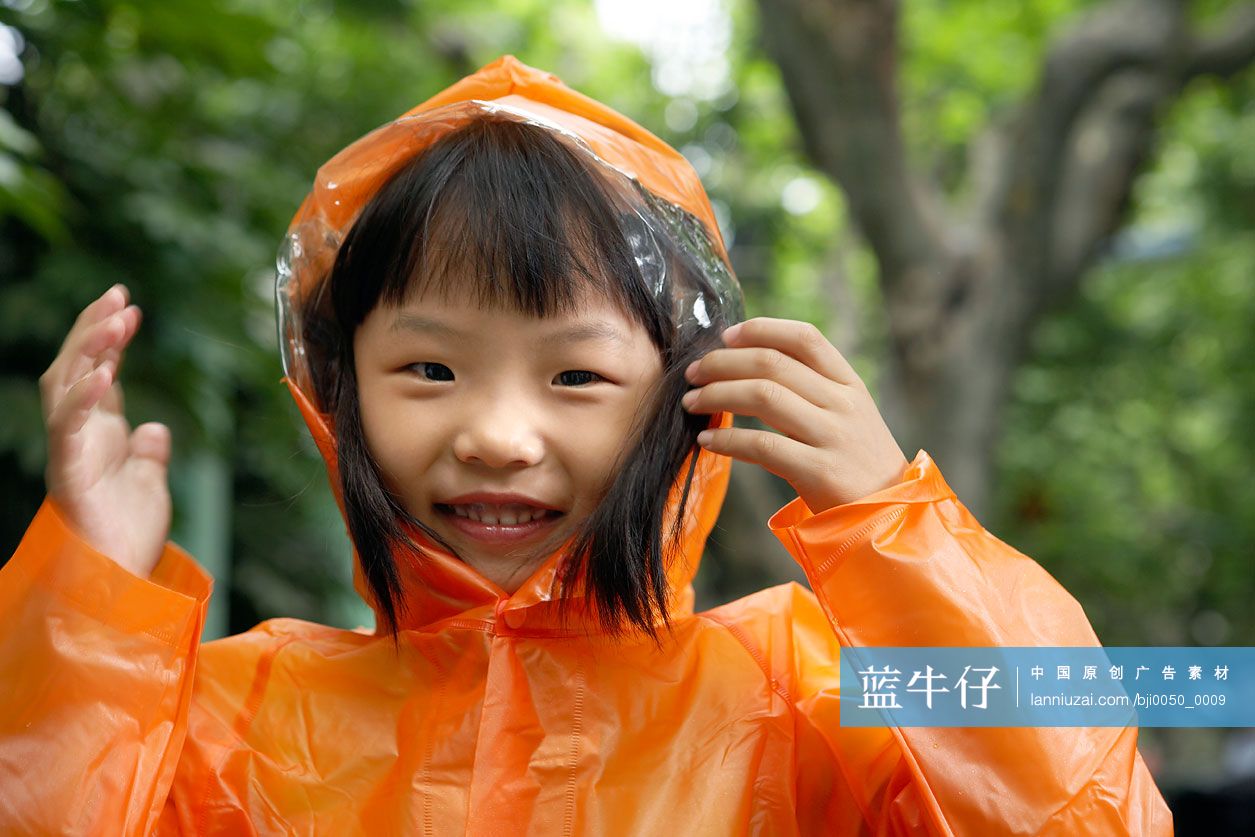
[27, 191]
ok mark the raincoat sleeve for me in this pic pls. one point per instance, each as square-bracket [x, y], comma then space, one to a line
[96, 665]
[910, 566]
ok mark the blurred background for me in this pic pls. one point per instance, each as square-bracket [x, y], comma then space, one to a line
[1029, 225]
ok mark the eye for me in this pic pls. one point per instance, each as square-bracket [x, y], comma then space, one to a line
[432, 371]
[577, 377]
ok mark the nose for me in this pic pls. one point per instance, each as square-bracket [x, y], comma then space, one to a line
[498, 438]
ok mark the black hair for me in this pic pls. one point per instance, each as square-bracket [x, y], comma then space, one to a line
[530, 222]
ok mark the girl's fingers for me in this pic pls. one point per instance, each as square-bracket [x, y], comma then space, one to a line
[115, 353]
[116, 349]
[767, 364]
[773, 403]
[114, 299]
[88, 324]
[69, 365]
[799, 340]
[93, 345]
[151, 441]
[782, 456]
[68, 416]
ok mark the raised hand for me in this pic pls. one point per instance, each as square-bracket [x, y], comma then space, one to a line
[833, 445]
[107, 481]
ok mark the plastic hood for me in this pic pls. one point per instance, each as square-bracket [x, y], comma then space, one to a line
[665, 198]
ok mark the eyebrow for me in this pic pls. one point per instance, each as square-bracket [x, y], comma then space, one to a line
[583, 332]
[417, 324]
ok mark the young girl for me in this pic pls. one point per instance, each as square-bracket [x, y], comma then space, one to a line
[509, 322]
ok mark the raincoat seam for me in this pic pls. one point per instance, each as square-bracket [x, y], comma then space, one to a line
[438, 701]
[577, 726]
[823, 568]
[471, 624]
[758, 659]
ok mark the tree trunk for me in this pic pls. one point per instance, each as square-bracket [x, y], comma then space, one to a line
[965, 286]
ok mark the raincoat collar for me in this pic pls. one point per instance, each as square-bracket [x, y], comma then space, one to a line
[441, 591]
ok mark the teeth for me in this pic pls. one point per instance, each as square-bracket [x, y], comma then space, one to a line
[510, 515]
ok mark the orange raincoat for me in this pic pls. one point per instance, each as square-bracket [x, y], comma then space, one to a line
[491, 721]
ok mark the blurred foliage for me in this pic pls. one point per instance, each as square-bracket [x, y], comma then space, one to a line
[1128, 457]
[166, 143]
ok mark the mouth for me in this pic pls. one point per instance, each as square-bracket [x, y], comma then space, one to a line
[499, 524]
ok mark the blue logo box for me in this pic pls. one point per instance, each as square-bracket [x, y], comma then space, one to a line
[1048, 687]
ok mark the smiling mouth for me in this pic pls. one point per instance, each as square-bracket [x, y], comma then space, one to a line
[499, 526]
[510, 514]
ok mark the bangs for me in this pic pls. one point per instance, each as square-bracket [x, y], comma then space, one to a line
[505, 212]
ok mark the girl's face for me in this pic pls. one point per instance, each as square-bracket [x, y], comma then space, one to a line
[458, 400]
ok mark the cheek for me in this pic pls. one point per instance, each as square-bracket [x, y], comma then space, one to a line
[593, 454]
[401, 442]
